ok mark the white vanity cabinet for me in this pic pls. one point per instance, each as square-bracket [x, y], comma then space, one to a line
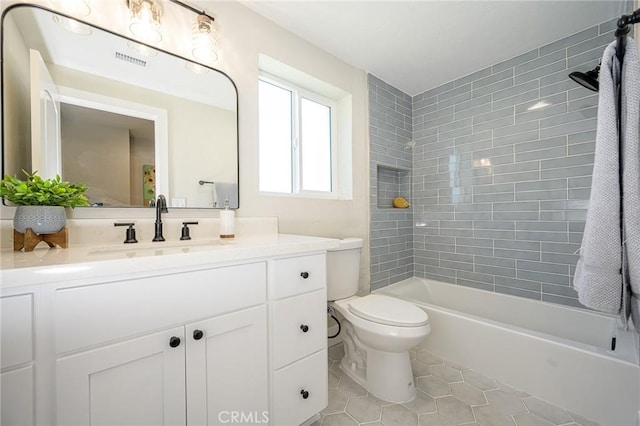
[230, 335]
[298, 296]
[17, 359]
[196, 373]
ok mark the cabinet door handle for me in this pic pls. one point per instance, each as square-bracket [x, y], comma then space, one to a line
[174, 342]
[198, 334]
[304, 328]
[304, 394]
[304, 275]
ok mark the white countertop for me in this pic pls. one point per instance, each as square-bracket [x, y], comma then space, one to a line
[45, 265]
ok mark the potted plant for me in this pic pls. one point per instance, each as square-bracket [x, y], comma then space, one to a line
[41, 202]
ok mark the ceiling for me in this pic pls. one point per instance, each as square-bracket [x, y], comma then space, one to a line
[419, 45]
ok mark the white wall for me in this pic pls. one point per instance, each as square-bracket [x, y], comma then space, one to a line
[244, 35]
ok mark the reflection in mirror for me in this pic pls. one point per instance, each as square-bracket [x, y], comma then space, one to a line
[94, 109]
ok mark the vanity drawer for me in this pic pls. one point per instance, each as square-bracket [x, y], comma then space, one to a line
[290, 384]
[90, 315]
[16, 330]
[297, 275]
[291, 317]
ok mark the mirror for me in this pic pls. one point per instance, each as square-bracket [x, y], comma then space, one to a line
[128, 120]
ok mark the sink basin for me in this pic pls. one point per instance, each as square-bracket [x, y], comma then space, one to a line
[149, 246]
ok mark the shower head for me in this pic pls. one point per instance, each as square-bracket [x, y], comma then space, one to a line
[588, 79]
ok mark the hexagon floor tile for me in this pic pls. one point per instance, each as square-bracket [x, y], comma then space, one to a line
[448, 395]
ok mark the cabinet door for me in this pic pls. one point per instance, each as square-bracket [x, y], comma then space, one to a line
[136, 382]
[17, 397]
[227, 369]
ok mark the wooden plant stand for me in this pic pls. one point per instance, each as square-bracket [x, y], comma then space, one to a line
[29, 240]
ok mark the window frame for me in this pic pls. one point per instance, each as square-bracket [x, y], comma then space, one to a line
[298, 93]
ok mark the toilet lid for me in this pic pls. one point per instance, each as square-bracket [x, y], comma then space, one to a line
[388, 310]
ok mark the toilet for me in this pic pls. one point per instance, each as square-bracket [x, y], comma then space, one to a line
[377, 330]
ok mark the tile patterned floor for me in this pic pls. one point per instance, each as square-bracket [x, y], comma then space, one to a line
[448, 395]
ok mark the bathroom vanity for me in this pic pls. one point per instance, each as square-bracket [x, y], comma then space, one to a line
[187, 334]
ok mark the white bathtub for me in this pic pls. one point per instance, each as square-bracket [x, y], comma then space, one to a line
[560, 354]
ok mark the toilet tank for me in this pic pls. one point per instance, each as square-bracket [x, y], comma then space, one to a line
[343, 269]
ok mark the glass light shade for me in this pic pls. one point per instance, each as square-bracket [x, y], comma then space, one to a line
[145, 20]
[203, 40]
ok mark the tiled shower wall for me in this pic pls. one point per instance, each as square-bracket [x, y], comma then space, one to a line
[390, 134]
[502, 169]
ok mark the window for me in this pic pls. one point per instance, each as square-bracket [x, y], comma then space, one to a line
[297, 140]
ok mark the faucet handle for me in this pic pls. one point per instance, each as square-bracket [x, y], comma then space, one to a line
[185, 230]
[131, 232]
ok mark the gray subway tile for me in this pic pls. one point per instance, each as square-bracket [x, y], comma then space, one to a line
[541, 185]
[555, 88]
[569, 259]
[542, 71]
[542, 236]
[557, 194]
[493, 115]
[474, 284]
[517, 292]
[493, 78]
[517, 177]
[551, 268]
[517, 138]
[513, 62]
[569, 41]
[600, 41]
[543, 277]
[569, 128]
[567, 172]
[474, 276]
[582, 148]
[540, 62]
[531, 285]
[542, 154]
[542, 226]
[517, 128]
[496, 270]
[562, 300]
[437, 90]
[560, 290]
[570, 117]
[542, 113]
[517, 254]
[519, 99]
[494, 124]
[499, 85]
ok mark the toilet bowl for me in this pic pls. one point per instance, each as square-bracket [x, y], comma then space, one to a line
[378, 331]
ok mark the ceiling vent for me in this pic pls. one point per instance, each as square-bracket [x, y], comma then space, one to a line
[131, 59]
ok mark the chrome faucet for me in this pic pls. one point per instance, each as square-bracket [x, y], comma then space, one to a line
[161, 207]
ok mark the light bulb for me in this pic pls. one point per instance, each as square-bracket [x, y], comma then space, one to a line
[203, 40]
[145, 20]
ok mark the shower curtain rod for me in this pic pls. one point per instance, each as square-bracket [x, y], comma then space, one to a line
[624, 24]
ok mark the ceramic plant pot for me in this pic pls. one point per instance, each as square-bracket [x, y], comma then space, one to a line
[41, 219]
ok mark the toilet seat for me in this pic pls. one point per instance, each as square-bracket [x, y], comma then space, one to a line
[388, 311]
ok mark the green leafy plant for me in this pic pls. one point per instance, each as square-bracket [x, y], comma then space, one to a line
[35, 191]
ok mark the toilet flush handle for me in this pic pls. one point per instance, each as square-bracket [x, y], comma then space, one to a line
[304, 393]
[304, 275]
[304, 328]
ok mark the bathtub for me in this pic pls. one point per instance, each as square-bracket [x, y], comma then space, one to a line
[574, 358]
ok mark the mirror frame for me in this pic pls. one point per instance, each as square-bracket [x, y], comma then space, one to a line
[175, 55]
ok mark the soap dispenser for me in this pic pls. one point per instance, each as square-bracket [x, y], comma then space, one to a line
[227, 219]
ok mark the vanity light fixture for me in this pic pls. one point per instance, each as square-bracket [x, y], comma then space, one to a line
[142, 49]
[145, 20]
[203, 39]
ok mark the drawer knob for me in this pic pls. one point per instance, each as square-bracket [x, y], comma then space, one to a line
[197, 334]
[174, 342]
[304, 394]
[304, 328]
[304, 275]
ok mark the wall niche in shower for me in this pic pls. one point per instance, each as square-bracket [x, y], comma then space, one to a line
[392, 181]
